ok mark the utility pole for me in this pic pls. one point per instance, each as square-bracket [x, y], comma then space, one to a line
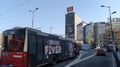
[112, 33]
[50, 30]
[33, 11]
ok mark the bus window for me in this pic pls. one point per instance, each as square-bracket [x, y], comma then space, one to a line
[14, 42]
[10, 37]
[32, 44]
[40, 45]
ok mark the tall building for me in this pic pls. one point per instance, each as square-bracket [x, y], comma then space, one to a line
[71, 22]
[88, 34]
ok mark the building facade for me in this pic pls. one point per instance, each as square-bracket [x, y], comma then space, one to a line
[99, 31]
[103, 35]
[80, 32]
[88, 34]
[114, 20]
[71, 22]
[115, 38]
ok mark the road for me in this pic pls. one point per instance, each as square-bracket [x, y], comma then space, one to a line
[89, 59]
[97, 61]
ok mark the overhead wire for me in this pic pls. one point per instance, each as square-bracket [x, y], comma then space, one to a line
[14, 7]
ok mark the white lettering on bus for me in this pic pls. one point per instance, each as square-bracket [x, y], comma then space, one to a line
[52, 49]
[53, 42]
[17, 56]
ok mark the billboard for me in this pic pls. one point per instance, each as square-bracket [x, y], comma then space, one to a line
[69, 27]
[70, 31]
[70, 9]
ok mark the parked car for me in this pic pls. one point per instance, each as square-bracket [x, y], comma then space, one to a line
[100, 52]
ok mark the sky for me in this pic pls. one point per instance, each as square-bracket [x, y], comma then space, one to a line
[51, 13]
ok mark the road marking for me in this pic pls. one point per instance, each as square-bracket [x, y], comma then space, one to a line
[77, 60]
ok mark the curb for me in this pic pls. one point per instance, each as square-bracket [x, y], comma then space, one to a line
[116, 58]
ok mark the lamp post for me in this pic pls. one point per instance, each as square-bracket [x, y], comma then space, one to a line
[50, 30]
[33, 11]
[112, 33]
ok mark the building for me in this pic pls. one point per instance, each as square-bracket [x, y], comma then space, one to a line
[99, 31]
[71, 22]
[80, 31]
[103, 34]
[115, 20]
[116, 33]
[88, 34]
[117, 36]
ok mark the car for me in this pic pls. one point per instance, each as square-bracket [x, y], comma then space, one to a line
[104, 49]
[100, 52]
[110, 48]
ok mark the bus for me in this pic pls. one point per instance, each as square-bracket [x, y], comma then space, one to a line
[27, 47]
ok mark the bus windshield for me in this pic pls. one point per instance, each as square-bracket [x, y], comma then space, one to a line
[14, 40]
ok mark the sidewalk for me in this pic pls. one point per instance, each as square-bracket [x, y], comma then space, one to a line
[118, 54]
[118, 58]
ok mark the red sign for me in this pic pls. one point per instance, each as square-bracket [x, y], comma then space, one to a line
[70, 9]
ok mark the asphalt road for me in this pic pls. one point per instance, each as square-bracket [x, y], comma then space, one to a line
[88, 59]
[97, 61]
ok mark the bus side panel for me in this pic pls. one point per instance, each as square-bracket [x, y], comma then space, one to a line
[60, 55]
[41, 57]
[53, 49]
[66, 50]
[32, 48]
[70, 49]
[40, 50]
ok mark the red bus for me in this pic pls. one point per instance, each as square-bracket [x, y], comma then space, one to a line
[27, 47]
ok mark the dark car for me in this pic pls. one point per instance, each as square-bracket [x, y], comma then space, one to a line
[100, 52]
[110, 48]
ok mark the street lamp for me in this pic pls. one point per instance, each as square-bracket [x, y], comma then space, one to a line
[50, 30]
[33, 11]
[109, 7]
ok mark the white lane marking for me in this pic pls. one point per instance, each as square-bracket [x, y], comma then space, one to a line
[77, 60]
[114, 62]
